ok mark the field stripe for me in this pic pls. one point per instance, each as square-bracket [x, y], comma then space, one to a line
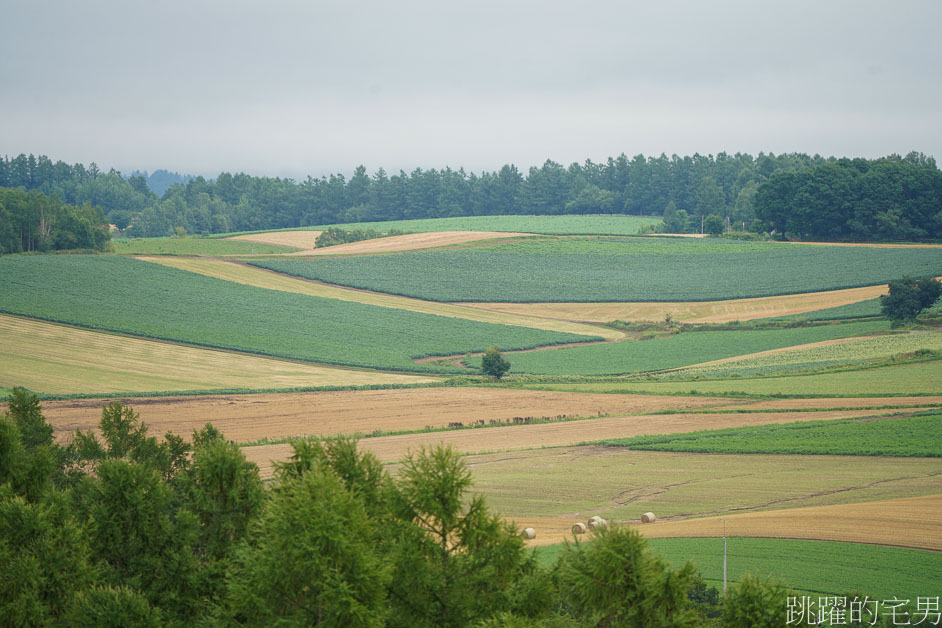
[521, 437]
[253, 276]
[249, 417]
[914, 522]
[58, 359]
[691, 312]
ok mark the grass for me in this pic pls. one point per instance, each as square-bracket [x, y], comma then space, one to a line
[820, 567]
[921, 378]
[620, 484]
[67, 361]
[857, 352]
[194, 246]
[131, 296]
[557, 225]
[906, 436]
[678, 350]
[617, 270]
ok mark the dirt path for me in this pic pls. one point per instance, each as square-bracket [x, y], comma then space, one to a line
[914, 522]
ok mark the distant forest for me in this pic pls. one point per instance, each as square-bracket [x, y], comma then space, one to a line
[796, 195]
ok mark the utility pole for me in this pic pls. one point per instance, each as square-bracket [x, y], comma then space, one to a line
[724, 557]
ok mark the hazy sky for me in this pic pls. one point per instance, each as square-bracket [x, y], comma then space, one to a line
[292, 88]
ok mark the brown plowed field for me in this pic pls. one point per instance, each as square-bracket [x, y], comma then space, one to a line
[692, 312]
[244, 418]
[297, 239]
[393, 448]
[911, 522]
[409, 242]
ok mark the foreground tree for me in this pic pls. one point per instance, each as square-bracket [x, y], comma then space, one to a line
[908, 297]
[494, 364]
[455, 563]
[616, 580]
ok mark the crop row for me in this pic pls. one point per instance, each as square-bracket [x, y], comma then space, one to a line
[851, 353]
[151, 300]
[678, 350]
[917, 436]
[643, 271]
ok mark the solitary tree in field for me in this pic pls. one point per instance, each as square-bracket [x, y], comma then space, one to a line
[493, 363]
[908, 297]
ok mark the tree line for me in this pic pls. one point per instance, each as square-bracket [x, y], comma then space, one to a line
[855, 199]
[127, 529]
[807, 196]
[31, 221]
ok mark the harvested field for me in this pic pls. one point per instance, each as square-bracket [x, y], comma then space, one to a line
[298, 239]
[67, 360]
[409, 242]
[246, 418]
[914, 522]
[253, 276]
[691, 312]
[412, 242]
[525, 437]
[834, 402]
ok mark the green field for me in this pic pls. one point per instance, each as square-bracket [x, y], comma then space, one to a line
[922, 378]
[617, 270]
[858, 352]
[678, 350]
[554, 225]
[128, 295]
[907, 436]
[195, 246]
[821, 567]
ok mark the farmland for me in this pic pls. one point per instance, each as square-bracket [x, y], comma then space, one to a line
[817, 567]
[251, 276]
[557, 225]
[852, 352]
[804, 305]
[191, 308]
[66, 360]
[251, 417]
[678, 350]
[923, 378]
[520, 438]
[576, 482]
[195, 246]
[686, 450]
[904, 436]
[631, 269]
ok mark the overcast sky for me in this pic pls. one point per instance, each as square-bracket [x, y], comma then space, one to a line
[292, 88]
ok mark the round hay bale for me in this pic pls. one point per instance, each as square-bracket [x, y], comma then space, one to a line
[594, 518]
[598, 524]
[579, 528]
[529, 533]
[648, 517]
